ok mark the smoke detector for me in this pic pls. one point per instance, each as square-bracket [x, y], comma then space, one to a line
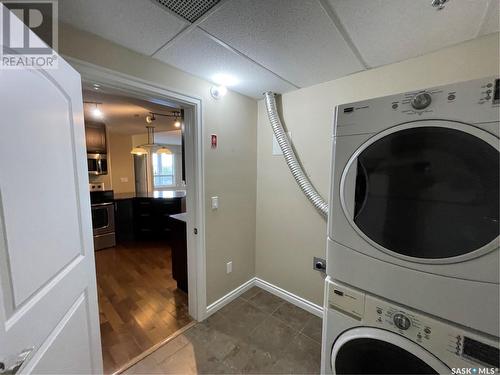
[190, 10]
[438, 4]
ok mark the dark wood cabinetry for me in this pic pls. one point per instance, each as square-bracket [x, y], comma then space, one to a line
[124, 220]
[95, 137]
[178, 244]
[145, 218]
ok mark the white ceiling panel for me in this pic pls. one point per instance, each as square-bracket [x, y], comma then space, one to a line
[491, 18]
[294, 38]
[386, 31]
[198, 54]
[139, 25]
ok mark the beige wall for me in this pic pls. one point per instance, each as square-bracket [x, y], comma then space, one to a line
[121, 162]
[289, 231]
[230, 171]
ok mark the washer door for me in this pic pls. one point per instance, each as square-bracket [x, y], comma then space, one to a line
[426, 191]
[375, 351]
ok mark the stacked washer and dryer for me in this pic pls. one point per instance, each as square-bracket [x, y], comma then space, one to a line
[413, 234]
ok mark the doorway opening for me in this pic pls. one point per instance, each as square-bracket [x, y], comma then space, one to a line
[148, 172]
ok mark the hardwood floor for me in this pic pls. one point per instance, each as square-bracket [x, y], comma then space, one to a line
[139, 303]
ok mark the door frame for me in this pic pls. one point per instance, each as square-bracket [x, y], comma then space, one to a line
[195, 170]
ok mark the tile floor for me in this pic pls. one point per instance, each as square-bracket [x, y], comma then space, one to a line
[256, 333]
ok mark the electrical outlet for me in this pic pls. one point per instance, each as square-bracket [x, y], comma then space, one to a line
[229, 267]
[123, 179]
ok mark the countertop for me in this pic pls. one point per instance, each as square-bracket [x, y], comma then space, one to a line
[157, 194]
[181, 217]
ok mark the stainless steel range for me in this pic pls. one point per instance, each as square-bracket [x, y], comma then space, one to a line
[103, 219]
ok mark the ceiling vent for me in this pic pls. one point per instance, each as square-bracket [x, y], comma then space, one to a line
[190, 10]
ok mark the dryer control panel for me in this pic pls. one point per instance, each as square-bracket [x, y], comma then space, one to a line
[444, 339]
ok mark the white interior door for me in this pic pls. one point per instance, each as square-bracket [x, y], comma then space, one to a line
[48, 297]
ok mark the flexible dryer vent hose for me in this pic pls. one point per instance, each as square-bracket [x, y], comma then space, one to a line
[290, 157]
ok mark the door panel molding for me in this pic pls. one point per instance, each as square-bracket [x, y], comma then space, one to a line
[5, 270]
[81, 302]
[41, 292]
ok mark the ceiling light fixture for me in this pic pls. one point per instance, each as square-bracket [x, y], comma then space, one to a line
[151, 145]
[218, 92]
[438, 4]
[177, 123]
[163, 150]
[96, 112]
[139, 151]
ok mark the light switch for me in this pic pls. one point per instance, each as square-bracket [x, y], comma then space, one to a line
[215, 203]
[124, 179]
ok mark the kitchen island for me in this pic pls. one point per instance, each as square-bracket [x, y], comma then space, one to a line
[178, 244]
[146, 216]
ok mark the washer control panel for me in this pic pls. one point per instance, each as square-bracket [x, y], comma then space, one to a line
[455, 346]
[436, 335]
[421, 100]
[401, 321]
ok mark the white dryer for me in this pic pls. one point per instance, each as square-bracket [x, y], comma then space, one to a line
[414, 202]
[364, 334]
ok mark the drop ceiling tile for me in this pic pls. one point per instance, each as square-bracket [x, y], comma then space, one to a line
[294, 38]
[491, 19]
[386, 31]
[138, 25]
[198, 54]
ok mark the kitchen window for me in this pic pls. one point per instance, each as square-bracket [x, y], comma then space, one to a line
[163, 170]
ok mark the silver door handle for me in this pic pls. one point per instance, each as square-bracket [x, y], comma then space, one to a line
[11, 365]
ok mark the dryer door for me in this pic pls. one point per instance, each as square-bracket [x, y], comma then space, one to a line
[374, 351]
[426, 191]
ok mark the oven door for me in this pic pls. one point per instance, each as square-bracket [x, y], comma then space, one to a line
[426, 191]
[103, 218]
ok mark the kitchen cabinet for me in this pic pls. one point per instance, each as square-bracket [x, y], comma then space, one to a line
[178, 244]
[151, 217]
[124, 220]
[95, 137]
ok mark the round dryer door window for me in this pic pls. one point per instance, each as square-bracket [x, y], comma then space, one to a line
[427, 190]
[375, 351]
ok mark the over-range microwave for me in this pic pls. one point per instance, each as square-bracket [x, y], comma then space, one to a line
[97, 164]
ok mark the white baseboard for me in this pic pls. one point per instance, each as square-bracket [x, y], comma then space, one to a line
[235, 293]
[271, 288]
[290, 297]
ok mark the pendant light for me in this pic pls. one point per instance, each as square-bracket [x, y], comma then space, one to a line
[177, 122]
[163, 150]
[143, 149]
[139, 151]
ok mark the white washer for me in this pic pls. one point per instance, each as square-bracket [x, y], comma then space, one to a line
[414, 202]
[364, 334]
